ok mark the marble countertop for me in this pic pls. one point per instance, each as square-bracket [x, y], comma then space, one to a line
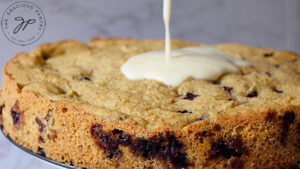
[12, 157]
[268, 23]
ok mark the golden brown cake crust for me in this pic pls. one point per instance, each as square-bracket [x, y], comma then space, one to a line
[69, 101]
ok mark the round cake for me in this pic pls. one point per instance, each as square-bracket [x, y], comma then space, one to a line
[70, 102]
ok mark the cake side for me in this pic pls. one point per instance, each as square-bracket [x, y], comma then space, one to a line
[86, 135]
[69, 133]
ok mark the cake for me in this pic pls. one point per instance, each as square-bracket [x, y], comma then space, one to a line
[70, 102]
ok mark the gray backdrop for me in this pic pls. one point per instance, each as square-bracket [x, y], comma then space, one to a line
[262, 23]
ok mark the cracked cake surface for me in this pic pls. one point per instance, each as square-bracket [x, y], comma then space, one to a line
[73, 97]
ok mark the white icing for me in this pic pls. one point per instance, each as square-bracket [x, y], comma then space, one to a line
[166, 17]
[198, 62]
[172, 68]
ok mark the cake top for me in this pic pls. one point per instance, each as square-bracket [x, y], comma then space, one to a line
[89, 75]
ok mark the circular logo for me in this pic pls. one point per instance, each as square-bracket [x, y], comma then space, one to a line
[23, 23]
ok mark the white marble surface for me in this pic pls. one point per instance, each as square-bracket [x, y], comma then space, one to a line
[267, 23]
